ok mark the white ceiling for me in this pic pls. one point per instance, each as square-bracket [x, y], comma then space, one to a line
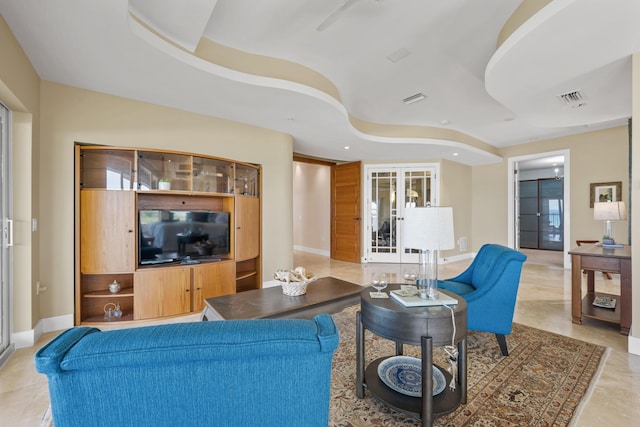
[499, 96]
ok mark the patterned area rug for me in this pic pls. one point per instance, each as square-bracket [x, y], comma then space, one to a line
[540, 383]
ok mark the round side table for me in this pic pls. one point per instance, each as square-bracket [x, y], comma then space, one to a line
[420, 326]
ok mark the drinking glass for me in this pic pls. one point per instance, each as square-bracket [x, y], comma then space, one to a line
[410, 278]
[379, 281]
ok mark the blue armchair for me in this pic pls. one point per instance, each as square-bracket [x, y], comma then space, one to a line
[490, 286]
[231, 373]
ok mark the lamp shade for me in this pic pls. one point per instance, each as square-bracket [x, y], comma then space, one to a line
[428, 228]
[609, 211]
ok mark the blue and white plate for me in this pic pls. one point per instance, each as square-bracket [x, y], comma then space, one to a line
[404, 375]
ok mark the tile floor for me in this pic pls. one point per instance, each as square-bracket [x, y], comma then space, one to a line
[544, 301]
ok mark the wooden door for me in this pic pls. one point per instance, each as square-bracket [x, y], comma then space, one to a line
[346, 217]
[247, 215]
[107, 238]
[212, 280]
[160, 292]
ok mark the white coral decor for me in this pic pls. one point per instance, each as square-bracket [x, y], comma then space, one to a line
[294, 282]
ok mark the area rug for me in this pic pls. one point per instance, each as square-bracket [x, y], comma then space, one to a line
[540, 383]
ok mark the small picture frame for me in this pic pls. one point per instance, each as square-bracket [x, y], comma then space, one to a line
[605, 192]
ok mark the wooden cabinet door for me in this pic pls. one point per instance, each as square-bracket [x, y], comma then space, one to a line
[247, 215]
[212, 280]
[107, 237]
[160, 292]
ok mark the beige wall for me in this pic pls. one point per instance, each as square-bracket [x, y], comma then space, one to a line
[71, 114]
[456, 191]
[311, 207]
[599, 156]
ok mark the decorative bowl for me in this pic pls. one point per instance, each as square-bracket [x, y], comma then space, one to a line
[294, 282]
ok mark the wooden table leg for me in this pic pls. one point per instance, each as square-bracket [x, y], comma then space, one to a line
[359, 356]
[576, 289]
[427, 381]
[462, 370]
[625, 296]
[591, 281]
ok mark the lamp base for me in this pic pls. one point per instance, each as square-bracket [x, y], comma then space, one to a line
[428, 274]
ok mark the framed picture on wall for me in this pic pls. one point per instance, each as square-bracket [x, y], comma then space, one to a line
[606, 192]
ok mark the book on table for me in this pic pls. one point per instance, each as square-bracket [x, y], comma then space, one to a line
[604, 302]
[413, 300]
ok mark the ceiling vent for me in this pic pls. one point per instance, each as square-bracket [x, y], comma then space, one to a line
[398, 55]
[573, 99]
[414, 98]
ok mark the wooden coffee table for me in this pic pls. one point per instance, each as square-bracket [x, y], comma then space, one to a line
[325, 295]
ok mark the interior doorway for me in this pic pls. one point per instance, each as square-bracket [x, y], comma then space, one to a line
[549, 161]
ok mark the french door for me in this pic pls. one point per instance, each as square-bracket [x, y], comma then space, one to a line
[7, 237]
[541, 214]
[391, 189]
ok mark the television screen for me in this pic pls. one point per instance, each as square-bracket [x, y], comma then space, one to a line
[171, 235]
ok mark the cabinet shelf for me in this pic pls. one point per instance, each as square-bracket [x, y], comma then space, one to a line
[100, 319]
[126, 292]
[443, 402]
[610, 315]
[245, 274]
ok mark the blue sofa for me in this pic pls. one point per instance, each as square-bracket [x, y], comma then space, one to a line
[490, 286]
[233, 373]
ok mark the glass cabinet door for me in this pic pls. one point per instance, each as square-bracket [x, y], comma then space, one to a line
[106, 169]
[246, 182]
[212, 176]
[163, 171]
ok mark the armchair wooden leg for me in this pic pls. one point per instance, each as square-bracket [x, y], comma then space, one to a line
[502, 342]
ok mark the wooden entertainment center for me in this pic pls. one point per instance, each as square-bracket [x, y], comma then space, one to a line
[114, 185]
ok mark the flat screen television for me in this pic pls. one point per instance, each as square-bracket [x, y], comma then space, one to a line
[168, 235]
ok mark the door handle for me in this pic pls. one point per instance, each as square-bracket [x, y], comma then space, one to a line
[357, 218]
[8, 232]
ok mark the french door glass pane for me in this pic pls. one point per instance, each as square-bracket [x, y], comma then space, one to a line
[551, 214]
[383, 212]
[417, 185]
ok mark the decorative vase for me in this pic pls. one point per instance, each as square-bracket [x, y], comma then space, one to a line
[114, 287]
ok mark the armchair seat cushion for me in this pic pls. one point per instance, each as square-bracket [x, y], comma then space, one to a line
[456, 287]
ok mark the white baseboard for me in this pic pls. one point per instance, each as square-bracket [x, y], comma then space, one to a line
[634, 345]
[271, 284]
[312, 250]
[456, 258]
[50, 324]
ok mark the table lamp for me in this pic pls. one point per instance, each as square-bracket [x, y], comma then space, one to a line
[428, 229]
[607, 212]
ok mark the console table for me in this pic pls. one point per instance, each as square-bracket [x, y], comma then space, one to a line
[420, 326]
[596, 258]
